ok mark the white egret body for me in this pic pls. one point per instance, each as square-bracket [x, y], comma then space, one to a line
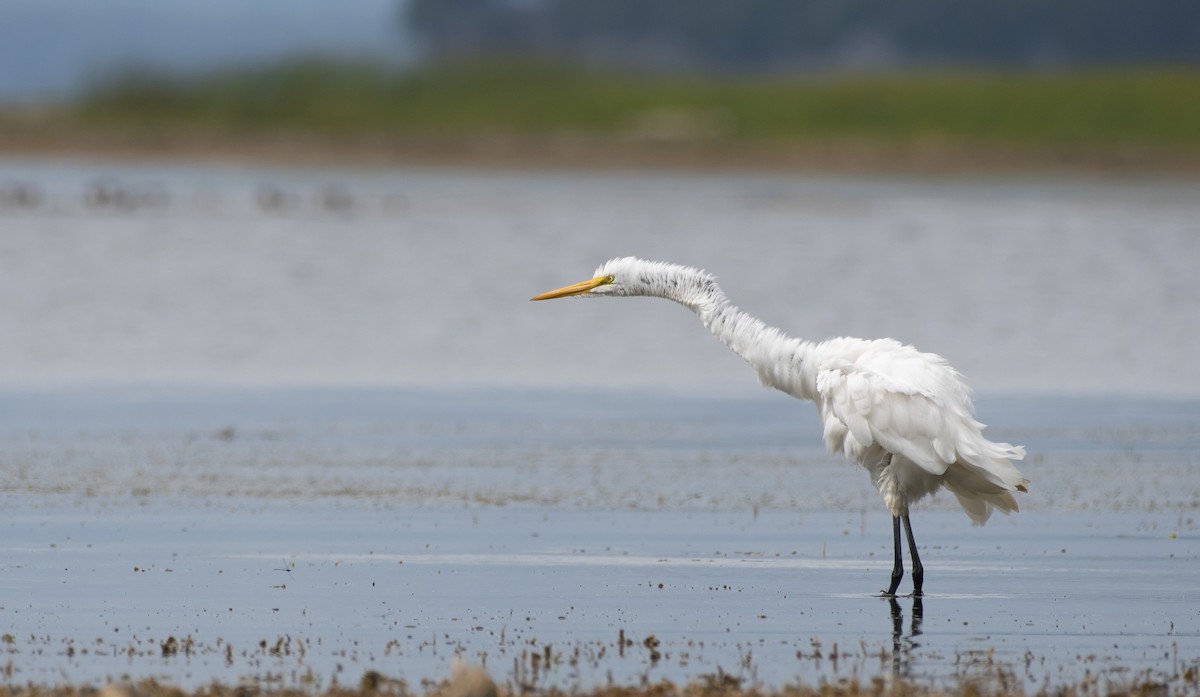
[904, 415]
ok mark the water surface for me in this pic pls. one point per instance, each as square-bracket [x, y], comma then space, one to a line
[286, 427]
[303, 538]
[256, 276]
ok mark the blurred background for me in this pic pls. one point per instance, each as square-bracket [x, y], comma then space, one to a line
[367, 192]
[62, 49]
[715, 81]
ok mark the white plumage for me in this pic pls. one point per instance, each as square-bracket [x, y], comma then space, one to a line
[904, 415]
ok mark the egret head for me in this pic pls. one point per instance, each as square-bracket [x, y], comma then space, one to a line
[626, 276]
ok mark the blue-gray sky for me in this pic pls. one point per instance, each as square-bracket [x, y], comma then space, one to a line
[51, 48]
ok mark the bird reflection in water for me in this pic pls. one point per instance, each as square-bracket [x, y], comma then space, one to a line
[902, 646]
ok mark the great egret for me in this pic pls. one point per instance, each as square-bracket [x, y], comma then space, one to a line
[904, 415]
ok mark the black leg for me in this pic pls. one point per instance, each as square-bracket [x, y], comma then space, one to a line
[918, 571]
[898, 567]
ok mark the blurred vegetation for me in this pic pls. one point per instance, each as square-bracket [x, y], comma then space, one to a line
[755, 36]
[1157, 108]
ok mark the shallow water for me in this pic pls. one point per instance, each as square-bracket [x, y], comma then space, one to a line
[220, 275]
[302, 538]
[289, 426]
[96, 594]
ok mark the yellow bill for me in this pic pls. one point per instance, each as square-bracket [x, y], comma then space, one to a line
[575, 289]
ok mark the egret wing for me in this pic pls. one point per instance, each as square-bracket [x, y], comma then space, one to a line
[917, 408]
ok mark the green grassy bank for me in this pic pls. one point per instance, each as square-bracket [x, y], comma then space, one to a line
[1151, 111]
[1141, 107]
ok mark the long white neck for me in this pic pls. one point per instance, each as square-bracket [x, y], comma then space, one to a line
[781, 361]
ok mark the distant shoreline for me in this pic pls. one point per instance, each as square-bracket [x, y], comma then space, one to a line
[606, 152]
[543, 115]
